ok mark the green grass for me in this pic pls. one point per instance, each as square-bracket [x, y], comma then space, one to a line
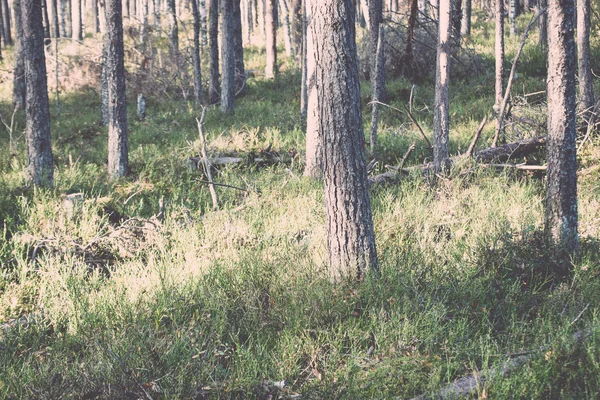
[226, 304]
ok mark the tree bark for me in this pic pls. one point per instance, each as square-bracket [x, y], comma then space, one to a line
[499, 49]
[349, 227]
[543, 23]
[466, 18]
[173, 31]
[213, 42]
[19, 88]
[238, 47]
[46, 19]
[40, 166]
[271, 36]
[227, 57]
[287, 34]
[314, 145]
[117, 104]
[586, 89]
[561, 190]
[375, 92]
[95, 16]
[7, 23]
[156, 4]
[297, 27]
[196, 53]
[375, 19]
[441, 117]
[77, 20]
[512, 16]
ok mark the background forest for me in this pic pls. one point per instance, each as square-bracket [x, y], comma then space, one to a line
[146, 280]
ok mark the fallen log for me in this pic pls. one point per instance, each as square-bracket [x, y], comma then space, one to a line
[503, 153]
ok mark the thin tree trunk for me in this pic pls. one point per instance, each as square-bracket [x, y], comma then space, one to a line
[561, 191]
[1, 32]
[238, 46]
[173, 31]
[145, 8]
[287, 35]
[19, 88]
[203, 31]
[156, 4]
[117, 109]
[271, 32]
[47, 27]
[95, 16]
[297, 27]
[227, 57]
[349, 223]
[7, 23]
[63, 18]
[40, 168]
[314, 145]
[54, 18]
[213, 42]
[408, 58]
[77, 20]
[196, 53]
[457, 18]
[104, 109]
[441, 117]
[304, 87]
[466, 18]
[513, 13]
[543, 23]
[499, 49]
[586, 89]
[379, 65]
[375, 19]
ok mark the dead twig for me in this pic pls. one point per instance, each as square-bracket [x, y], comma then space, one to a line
[476, 137]
[211, 187]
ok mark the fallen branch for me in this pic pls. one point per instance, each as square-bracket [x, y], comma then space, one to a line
[213, 192]
[501, 113]
[476, 137]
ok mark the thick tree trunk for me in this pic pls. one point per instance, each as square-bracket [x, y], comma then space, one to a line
[499, 49]
[466, 18]
[271, 32]
[227, 57]
[314, 145]
[350, 234]
[173, 31]
[213, 42]
[40, 167]
[77, 20]
[196, 53]
[561, 191]
[117, 104]
[7, 23]
[238, 46]
[441, 117]
[586, 89]
[19, 89]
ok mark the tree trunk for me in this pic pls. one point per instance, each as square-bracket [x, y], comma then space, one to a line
[196, 53]
[349, 227]
[457, 18]
[40, 167]
[77, 20]
[304, 87]
[287, 35]
[543, 23]
[1, 32]
[379, 66]
[6, 23]
[19, 88]
[104, 116]
[297, 27]
[145, 9]
[271, 32]
[408, 58]
[441, 117]
[561, 191]
[173, 31]
[512, 15]
[54, 17]
[117, 104]
[314, 145]
[586, 89]
[96, 16]
[466, 18]
[47, 27]
[499, 48]
[203, 32]
[375, 19]
[238, 46]
[213, 42]
[63, 18]
[227, 57]
[156, 4]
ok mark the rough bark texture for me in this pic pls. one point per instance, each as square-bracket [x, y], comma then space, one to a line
[375, 19]
[466, 18]
[314, 145]
[196, 53]
[238, 46]
[19, 89]
[350, 235]
[297, 26]
[117, 106]
[227, 57]
[213, 43]
[271, 32]
[543, 23]
[173, 30]
[54, 17]
[586, 90]
[77, 19]
[561, 191]
[499, 54]
[6, 23]
[379, 66]
[39, 149]
[441, 116]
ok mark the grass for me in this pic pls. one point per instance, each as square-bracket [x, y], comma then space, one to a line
[228, 304]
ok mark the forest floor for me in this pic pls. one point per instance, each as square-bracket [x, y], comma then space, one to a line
[109, 294]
